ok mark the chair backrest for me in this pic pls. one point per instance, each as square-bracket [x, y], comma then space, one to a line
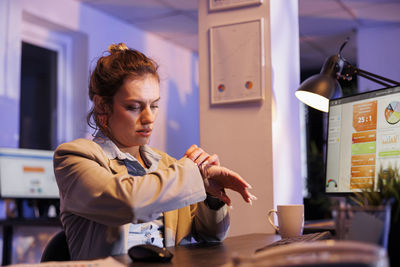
[56, 249]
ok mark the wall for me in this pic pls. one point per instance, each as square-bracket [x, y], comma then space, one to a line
[92, 32]
[378, 52]
[260, 140]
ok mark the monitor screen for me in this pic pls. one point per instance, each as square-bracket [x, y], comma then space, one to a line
[363, 136]
[27, 173]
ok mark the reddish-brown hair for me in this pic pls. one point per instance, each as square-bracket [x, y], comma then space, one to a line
[109, 75]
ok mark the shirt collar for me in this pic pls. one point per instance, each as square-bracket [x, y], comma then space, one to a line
[149, 156]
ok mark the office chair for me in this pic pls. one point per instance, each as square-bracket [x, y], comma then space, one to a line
[56, 249]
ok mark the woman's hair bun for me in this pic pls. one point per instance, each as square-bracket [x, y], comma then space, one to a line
[117, 48]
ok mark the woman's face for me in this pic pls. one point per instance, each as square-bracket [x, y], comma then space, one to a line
[135, 108]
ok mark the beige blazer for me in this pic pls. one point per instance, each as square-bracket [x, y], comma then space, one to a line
[99, 199]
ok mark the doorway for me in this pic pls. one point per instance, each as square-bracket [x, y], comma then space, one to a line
[38, 101]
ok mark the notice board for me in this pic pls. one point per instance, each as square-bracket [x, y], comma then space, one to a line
[237, 62]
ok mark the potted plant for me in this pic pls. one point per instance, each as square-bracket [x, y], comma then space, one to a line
[386, 192]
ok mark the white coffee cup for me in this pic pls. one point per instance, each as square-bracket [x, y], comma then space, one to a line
[290, 220]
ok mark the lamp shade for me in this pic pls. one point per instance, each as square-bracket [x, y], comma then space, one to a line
[318, 89]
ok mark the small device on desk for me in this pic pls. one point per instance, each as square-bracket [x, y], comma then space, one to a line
[149, 253]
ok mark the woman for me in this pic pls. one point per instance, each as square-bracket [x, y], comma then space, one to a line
[116, 191]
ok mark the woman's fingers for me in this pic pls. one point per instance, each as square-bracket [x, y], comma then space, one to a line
[213, 160]
[233, 179]
[190, 150]
[247, 196]
[243, 189]
[200, 157]
[220, 177]
[196, 153]
[217, 191]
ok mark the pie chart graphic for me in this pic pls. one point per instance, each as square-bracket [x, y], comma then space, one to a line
[392, 112]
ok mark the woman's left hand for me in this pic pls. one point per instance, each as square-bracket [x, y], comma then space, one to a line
[217, 178]
[200, 157]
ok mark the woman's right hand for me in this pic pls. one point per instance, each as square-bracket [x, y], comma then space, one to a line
[200, 157]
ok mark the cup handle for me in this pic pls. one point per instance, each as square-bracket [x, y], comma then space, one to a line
[271, 212]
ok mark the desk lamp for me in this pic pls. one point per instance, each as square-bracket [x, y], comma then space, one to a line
[318, 89]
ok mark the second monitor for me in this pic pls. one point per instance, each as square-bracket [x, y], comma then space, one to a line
[27, 174]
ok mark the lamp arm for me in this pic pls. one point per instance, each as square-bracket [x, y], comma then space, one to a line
[374, 77]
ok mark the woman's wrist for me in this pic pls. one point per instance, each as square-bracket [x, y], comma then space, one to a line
[213, 203]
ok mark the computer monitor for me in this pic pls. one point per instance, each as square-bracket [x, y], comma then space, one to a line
[27, 174]
[363, 136]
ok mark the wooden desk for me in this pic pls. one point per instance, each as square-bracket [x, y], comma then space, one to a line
[209, 255]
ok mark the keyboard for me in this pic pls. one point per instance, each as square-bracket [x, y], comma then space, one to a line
[303, 238]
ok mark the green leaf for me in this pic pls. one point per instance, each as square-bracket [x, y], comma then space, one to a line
[387, 189]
